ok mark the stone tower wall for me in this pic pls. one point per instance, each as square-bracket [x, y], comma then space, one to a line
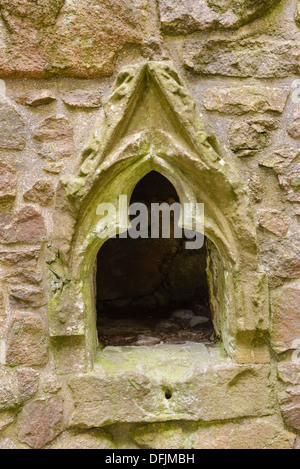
[63, 70]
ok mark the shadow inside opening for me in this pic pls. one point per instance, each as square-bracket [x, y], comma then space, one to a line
[152, 291]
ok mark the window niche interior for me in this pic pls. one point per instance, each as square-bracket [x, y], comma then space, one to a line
[152, 291]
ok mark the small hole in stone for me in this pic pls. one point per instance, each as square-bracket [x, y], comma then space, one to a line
[168, 395]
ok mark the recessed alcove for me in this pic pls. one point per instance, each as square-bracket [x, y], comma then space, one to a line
[152, 291]
[151, 122]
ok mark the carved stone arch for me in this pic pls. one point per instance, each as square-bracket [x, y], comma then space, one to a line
[150, 122]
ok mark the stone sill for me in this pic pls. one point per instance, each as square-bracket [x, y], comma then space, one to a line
[168, 382]
[170, 363]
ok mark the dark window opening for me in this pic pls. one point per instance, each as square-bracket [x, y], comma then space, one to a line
[152, 291]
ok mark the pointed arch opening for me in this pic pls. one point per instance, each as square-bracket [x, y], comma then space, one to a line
[125, 145]
[153, 290]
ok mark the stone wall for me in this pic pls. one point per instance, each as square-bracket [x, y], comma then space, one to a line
[240, 62]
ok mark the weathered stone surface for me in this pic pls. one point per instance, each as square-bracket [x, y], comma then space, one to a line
[8, 231]
[53, 168]
[81, 99]
[9, 390]
[29, 224]
[66, 318]
[12, 126]
[256, 186]
[286, 163]
[252, 305]
[241, 99]
[297, 12]
[26, 225]
[27, 298]
[209, 388]
[297, 444]
[285, 303]
[97, 439]
[20, 258]
[42, 192]
[281, 258]
[261, 58]
[28, 380]
[70, 354]
[7, 443]
[16, 387]
[159, 436]
[202, 386]
[248, 137]
[294, 129]
[251, 347]
[50, 384]
[8, 184]
[40, 422]
[280, 158]
[54, 138]
[23, 276]
[40, 98]
[275, 221]
[26, 340]
[290, 407]
[179, 17]
[6, 418]
[39, 13]
[296, 210]
[289, 372]
[89, 34]
[266, 433]
[2, 317]
[290, 182]
[2, 302]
